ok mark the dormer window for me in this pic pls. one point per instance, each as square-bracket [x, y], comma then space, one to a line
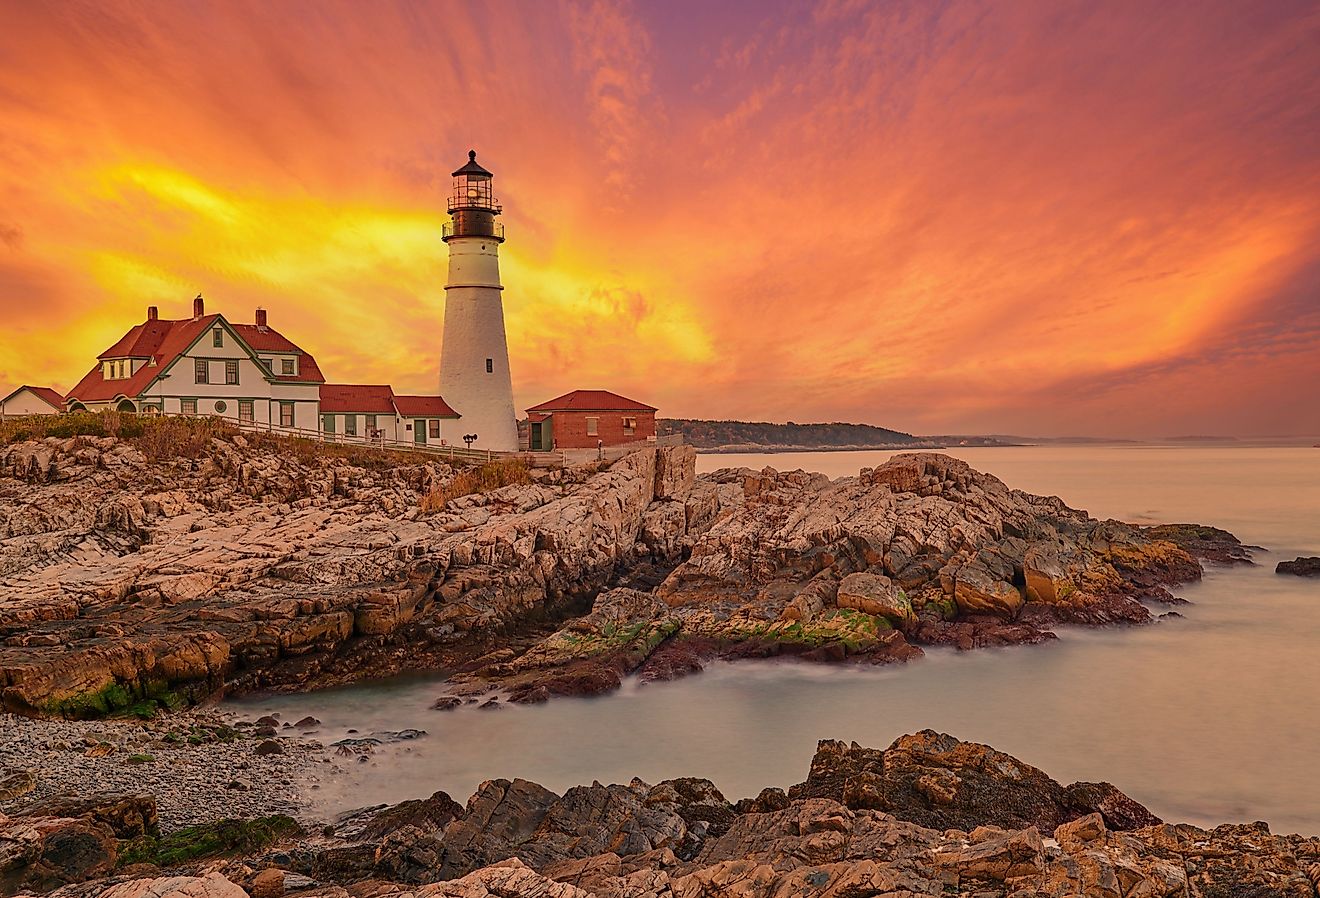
[286, 367]
[118, 369]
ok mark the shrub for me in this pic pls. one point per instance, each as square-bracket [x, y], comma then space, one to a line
[482, 479]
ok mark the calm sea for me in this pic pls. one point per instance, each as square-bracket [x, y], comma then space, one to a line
[1211, 718]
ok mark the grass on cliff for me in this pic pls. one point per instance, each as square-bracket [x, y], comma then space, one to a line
[221, 838]
[166, 437]
[482, 479]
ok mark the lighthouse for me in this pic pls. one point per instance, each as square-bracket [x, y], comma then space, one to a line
[474, 357]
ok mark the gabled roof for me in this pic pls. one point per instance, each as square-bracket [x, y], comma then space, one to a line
[142, 342]
[370, 399]
[591, 401]
[424, 407]
[164, 341]
[263, 339]
[171, 339]
[45, 394]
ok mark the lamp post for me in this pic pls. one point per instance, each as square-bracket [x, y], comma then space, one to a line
[469, 438]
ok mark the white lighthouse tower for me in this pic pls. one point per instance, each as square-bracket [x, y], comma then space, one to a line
[474, 359]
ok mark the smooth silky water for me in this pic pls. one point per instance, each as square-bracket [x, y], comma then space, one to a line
[1211, 718]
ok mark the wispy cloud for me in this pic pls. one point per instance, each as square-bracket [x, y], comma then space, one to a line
[1042, 216]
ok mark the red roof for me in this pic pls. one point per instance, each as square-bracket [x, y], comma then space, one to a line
[424, 407]
[369, 399]
[591, 401]
[164, 341]
[46, 394]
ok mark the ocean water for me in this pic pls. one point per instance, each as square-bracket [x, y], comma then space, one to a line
[1211, 718]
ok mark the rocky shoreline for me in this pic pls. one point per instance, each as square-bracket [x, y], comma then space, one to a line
[929, 815]
[199, 766]
[130, 584]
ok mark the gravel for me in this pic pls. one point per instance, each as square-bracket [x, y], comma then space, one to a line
[200, 765]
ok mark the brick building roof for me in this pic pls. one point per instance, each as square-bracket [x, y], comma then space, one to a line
[591, 401]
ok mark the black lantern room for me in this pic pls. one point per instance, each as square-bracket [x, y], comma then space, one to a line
[472, 204]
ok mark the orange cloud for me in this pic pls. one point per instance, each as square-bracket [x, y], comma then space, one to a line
[1044, 217]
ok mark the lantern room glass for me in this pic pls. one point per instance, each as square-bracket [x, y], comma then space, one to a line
[472, 192]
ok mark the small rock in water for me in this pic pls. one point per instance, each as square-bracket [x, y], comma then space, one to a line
[1305, 566]
[269, 720]
[265, 732]
[491, 704]
[446, 703]
[307, 723]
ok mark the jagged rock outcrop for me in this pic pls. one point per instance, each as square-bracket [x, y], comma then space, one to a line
[938, 781]
[124, 579]
[1011, 833]
[922, 550]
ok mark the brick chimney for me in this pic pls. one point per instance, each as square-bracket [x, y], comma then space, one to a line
[199, 307]
[261, 320]
[152, 313]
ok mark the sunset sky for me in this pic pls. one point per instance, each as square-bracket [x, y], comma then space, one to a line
[1034, 216]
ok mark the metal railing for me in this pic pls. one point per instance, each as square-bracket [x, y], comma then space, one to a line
[364, 441]
[497, 231]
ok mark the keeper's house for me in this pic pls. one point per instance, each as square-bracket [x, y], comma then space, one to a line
[586, 419]
[208, 365]
[205, 365]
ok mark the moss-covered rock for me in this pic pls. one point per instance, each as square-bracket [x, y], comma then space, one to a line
[218, 839]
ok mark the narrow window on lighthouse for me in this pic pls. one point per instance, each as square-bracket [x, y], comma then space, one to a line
[490, 366]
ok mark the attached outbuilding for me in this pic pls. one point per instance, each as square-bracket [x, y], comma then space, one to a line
[428, 420]
[587, 419]
[28, 400]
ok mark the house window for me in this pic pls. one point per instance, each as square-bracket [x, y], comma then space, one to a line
[286, 367]
[328, 424]
[350, 425]
[245, 410]
[231, 371]
[187, 406]
[201, 371]
[593, 426]
[629, 426]
[270, 365]
[490, 366]
[433, 429]
[371, 425]
[286, 414]
[221, 407]
[217, 337]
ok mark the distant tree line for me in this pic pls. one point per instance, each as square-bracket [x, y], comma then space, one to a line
[713, 434]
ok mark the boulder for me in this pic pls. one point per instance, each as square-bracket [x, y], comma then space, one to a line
[938, 781]
[977, 591]
[1305, 566]
[128, 815]
[877, 594]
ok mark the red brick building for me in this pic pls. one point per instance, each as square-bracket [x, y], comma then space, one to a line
[585, 419]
